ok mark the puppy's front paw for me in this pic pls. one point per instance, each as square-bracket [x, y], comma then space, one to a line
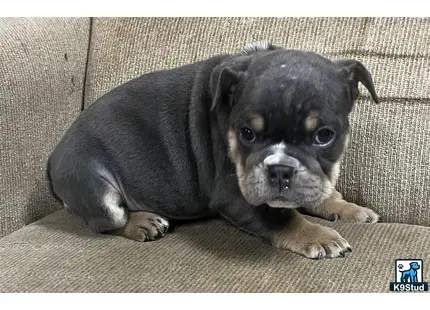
[311, 240]
[339, 209]
[144, 226]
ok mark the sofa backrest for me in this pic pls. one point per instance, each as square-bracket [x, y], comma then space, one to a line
[42, 69]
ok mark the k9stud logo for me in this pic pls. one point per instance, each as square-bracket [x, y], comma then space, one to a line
[409, 276]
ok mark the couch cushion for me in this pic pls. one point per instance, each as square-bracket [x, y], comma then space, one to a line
[59, 254]
[42, 66]
[386, 165]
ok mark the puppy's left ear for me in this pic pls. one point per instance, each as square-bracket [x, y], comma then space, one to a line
[223, 82]
[357, 72]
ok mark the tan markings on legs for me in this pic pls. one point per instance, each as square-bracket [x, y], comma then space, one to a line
[310, 240]
[336, 207]
[143, 226]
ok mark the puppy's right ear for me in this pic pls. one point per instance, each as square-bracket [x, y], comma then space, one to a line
[224, 79]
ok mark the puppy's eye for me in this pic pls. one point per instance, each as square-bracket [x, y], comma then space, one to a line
[324, 137]
[247, 135]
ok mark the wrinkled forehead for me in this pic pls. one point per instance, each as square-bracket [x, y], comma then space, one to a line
[284, 70]
[294, 98]
[287, 98]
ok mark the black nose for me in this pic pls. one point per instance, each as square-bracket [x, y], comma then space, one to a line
[280, 175]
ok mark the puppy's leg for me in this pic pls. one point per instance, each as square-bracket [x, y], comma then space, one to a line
[287, 229]
[101, 206]
[336, 208]
[310, 239]
[143, 226]
[92, 198]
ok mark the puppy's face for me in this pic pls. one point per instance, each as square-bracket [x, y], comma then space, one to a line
[288, 127]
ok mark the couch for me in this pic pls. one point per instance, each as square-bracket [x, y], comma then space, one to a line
[53, 68]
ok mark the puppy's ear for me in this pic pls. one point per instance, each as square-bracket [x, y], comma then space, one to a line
[224, 79]
[356, 72]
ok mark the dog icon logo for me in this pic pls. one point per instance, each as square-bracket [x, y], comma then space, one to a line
[409, 276]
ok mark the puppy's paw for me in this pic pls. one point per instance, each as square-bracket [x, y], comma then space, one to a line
[144, 226]
[312, 241]
[339, 209]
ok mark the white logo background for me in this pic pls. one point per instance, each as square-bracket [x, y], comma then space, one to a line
[406, 266]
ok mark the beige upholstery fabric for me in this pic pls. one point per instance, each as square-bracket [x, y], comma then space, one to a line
[387, 165]
[42, 64]
[58, 254]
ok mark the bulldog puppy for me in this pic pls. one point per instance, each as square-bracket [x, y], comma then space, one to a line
[251, 137]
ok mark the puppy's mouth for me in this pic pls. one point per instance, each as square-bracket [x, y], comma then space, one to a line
[281, 202]
[280, 198]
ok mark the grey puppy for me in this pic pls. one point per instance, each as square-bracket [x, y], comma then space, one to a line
[250, 137]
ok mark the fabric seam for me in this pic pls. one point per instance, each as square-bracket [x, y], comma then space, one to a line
[84, 86]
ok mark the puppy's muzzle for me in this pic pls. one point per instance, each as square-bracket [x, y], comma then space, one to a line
[280, 175]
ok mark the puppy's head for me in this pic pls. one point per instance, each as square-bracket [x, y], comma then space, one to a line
[284, 114]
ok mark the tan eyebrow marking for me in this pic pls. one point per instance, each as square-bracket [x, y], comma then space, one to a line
[311, 121]
[257, 123]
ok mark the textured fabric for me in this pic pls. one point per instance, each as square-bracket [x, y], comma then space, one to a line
[58, 254]
[386, 167]
[42, 64]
